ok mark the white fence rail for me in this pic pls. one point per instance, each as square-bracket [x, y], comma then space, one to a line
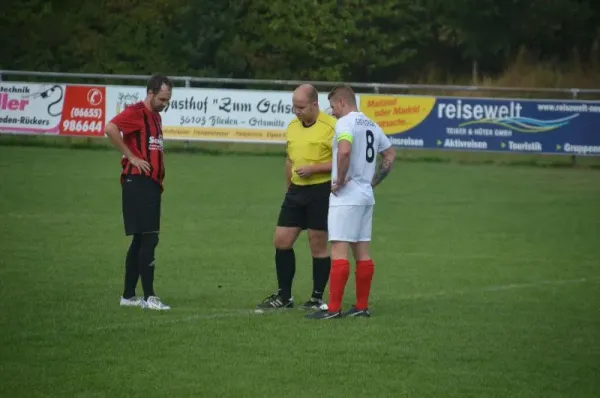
[370, 87]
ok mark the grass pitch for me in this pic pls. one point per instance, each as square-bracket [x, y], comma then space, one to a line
[487, 283]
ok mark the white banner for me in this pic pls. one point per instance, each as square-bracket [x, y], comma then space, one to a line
[217, 114]
[28, 108]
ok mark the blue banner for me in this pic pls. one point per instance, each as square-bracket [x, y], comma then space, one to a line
[483, 124]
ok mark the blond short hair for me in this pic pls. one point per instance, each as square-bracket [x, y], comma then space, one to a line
[342, 91]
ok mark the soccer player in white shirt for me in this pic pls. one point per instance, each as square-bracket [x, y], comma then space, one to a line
[356, 143]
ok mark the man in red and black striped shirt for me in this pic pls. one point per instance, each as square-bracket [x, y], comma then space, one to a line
[142, 186]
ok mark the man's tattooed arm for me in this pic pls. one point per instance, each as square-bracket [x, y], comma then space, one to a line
[389, 156]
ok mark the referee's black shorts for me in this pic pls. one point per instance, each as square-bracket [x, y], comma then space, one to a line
[141, 204]
[306, 207]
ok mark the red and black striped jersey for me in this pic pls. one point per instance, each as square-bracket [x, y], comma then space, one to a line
[142, 133]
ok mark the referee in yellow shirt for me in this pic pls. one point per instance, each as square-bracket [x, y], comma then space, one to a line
[306, 203]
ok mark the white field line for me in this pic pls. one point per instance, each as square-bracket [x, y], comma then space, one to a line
[240, 313]
[532, 259]
[498, 288]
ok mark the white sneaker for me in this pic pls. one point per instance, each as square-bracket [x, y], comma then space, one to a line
[154, 303]
[132, 302]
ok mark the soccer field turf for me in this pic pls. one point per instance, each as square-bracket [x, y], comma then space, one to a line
[487, 283]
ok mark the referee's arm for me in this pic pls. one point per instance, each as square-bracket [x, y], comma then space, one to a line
[288, 173]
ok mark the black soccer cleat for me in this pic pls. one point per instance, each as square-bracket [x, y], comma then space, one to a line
[356, 313]
[274, 302]
[324, 314]
[312, 304]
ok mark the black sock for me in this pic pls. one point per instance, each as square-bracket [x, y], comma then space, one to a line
[149, 242]
[285, 263]
[132, 267]
[321, 268]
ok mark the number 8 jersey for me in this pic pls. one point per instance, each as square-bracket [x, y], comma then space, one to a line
[368, 139]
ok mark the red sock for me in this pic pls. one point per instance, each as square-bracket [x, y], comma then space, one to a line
[340, 270]
[364, 276]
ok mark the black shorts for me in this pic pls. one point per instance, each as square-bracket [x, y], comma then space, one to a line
[306, 207]
[141, 204]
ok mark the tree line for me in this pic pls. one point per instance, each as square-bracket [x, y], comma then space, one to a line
[434, 41]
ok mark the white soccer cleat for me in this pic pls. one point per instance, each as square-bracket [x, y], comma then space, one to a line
[132, 302]
[154, 303]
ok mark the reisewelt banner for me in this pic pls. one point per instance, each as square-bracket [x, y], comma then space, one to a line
[479, 124]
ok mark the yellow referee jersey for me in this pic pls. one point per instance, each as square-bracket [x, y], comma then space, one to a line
[311, 145]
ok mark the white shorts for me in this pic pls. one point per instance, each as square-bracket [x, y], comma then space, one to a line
[350, 223]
